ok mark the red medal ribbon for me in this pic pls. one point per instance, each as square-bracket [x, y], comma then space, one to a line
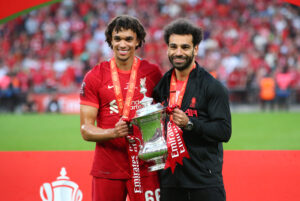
[176, 146]
[124, 111]
[133, 151]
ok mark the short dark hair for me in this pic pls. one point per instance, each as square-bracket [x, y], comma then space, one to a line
[125, 22]
[182, 26]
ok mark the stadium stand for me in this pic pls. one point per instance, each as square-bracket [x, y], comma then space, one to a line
[50, 49]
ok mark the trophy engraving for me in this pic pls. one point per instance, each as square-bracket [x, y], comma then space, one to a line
[150, 120]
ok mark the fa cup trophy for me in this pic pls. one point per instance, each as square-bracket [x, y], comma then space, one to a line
[150, 120]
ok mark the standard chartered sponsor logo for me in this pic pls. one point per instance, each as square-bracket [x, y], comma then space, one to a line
[113, 107]
[135, 105]
[61, 190]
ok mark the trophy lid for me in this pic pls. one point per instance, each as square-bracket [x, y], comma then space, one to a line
[149, 109]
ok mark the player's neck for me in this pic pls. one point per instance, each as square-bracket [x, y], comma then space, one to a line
[125, 65]
[183, 75]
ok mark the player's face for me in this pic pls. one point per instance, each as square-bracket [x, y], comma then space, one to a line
[123, 44]
[181, 51]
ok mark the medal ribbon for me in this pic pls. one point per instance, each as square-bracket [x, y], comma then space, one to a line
[124, 111]
[176, 146]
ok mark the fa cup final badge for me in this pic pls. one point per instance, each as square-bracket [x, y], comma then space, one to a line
[61, 190]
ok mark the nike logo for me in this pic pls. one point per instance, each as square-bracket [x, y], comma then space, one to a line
[110, 86]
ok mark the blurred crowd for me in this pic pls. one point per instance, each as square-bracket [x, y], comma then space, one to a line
[50, 49]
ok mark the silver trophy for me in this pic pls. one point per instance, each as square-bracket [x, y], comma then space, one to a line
[150, 120]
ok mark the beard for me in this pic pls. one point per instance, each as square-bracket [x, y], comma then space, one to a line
[184, 65]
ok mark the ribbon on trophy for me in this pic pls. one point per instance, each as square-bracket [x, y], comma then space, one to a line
[133, 150]
[124, 111]
[175, 143]
[176, 146]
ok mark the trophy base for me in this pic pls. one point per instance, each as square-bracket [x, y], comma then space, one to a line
[159, 164]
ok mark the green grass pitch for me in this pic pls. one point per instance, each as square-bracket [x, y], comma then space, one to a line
[45, 132]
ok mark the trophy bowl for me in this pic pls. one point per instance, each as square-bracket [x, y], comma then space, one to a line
[150, 120]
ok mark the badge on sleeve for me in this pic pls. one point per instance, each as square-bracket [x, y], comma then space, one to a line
[82, 89]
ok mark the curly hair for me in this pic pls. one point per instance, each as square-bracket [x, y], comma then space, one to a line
[183, 27]
[125, 22]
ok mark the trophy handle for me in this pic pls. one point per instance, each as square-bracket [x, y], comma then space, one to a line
[48, 190]
[79, 195]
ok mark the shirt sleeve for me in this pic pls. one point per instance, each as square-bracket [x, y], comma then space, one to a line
[89, 94]
[156, 76]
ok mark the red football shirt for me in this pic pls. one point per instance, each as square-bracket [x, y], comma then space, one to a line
[111, 157]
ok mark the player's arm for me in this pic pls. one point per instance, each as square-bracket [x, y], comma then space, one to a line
[217, 127]
[90, 132]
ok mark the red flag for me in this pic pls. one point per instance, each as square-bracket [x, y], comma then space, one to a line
[14, 8]
[295, 2]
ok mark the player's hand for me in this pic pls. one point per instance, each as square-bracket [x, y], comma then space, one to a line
[180, 118]
[121, 129]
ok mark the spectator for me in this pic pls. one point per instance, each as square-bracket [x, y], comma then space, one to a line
[244, 34]
[267, 92]
[283, 92]
[30, 105]
[53, 105]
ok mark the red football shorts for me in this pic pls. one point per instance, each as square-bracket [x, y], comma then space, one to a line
[117, 190]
